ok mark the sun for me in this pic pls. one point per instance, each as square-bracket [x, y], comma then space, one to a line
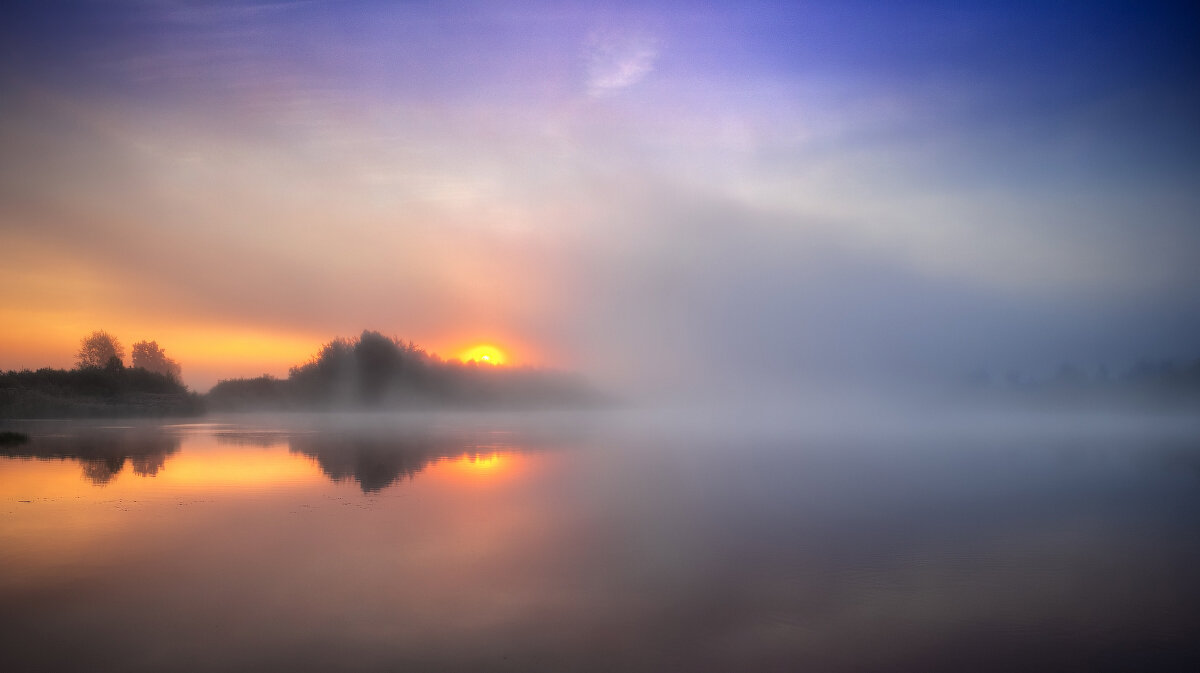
[484, 354]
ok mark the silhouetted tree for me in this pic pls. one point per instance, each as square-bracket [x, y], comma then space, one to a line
[110, 390]
[378, 361]
[98, 349]
[379, 371]
[147, 355]
[329, 374]
[264, 392]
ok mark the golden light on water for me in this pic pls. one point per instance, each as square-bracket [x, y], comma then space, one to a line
[238, 468]
[183, 471]
[482, 463]
[476, 466]
[207, 467]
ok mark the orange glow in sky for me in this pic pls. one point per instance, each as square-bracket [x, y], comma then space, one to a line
[47, 308]
[484, 353]
[206, 352]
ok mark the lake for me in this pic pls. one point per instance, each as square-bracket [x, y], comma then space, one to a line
[600, 542]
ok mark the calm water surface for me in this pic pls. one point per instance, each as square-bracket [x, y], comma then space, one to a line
[591, 543]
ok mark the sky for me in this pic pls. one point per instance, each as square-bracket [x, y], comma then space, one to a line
[660, 195]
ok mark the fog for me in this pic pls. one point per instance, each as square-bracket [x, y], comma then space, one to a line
[736, 308]
[836, 336]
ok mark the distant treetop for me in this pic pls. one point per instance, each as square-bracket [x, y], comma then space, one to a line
[147, 355]
[98, 350]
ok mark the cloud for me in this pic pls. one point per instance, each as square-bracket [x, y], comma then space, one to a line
[750, 214]
[617, 61]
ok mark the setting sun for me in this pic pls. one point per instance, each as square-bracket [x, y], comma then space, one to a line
[484, 353]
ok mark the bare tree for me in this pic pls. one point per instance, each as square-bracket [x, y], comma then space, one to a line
[99, 349]
[148, 356]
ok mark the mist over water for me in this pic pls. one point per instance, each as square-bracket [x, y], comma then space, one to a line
[819, 336]
[602, 540]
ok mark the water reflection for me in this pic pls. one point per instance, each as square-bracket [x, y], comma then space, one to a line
[376, 462]
[103, 451]
[305, 547]
[372, 456]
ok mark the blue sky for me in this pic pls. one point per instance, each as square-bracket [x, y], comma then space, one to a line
[779, 190]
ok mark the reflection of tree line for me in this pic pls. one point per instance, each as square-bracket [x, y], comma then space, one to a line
[103, 452]
[374, 460]
[378, 462]
[377, 452]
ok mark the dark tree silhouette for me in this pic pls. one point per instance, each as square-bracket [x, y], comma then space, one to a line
[98, 349]
[376, 371]
[147, 355]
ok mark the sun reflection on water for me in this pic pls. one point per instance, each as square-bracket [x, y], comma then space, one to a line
[235, 468]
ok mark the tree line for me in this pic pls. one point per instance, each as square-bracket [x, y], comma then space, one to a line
[371, 371]
[102, 350]
[1149, 384]
[101, 385]
[374, 371]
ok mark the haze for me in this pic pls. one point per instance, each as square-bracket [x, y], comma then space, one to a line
[678, 197]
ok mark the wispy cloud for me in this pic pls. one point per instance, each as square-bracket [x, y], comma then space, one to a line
[218, 12]
[778, 192]
[618, 60]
